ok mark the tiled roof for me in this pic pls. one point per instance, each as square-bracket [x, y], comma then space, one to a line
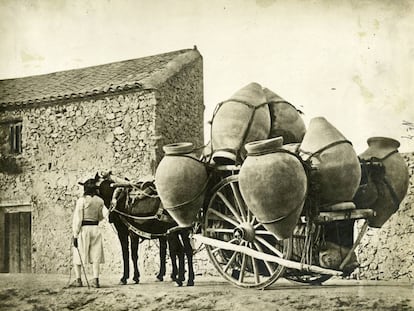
[142, 73]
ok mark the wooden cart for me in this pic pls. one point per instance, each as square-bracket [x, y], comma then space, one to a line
[249, 256]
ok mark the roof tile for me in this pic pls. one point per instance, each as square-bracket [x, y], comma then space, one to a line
[142, 73]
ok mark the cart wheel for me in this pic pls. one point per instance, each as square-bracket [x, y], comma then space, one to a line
[228, 219]
[299, 246]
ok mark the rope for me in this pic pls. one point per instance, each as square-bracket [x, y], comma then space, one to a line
[246, 132]
[392, 193]
[379, 162]
[388, 155]
[284, 102]
[193, 199]
[137, 189]
[205, 158]
[135, 217]
[266, 222]
[185, 156]
[140, 233]
[249, 124]
[312, 154]
[272, 150]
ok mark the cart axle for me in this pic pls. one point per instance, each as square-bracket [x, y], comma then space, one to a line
[244, 231]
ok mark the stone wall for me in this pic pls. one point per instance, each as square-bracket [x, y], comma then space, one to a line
[181, 98]
[387, 253]
[68, 143]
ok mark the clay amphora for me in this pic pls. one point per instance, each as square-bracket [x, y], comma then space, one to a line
[338, 172]
[273, 183]
[181, 181]
[243, 118]
[388, 181]
[286, 120]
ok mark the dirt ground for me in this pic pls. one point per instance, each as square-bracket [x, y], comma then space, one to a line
[50, 292]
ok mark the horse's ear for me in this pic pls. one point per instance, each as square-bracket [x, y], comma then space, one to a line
[81, 183]
[97, 176]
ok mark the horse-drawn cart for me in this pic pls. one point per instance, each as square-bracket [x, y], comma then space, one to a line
[276, 200]
[270, 199]
[321, 245]
[249, 256]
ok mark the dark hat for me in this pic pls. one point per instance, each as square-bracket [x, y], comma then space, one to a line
[89, 186]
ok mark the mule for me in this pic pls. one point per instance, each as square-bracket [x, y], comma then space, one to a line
[140, 216]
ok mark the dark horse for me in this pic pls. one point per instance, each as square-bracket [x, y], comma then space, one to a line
[136, 212]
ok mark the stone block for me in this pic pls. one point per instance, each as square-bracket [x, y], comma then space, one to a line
[110, 116]
[118, 130]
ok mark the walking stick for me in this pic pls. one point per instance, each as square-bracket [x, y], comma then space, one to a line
[83, 267]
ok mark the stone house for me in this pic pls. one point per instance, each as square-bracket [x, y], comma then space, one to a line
[60, 128]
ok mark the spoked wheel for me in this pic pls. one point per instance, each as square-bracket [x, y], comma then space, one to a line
[228, 219]
[305, 250]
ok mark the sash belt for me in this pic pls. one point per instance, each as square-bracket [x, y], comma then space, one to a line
[90, 222]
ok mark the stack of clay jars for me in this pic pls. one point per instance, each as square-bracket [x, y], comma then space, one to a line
[253, 113]
[274, 182]
[282, 164]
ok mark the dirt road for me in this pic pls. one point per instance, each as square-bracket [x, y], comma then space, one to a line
[49, 292]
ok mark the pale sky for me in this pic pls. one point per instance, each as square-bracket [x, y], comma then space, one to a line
[349, 61]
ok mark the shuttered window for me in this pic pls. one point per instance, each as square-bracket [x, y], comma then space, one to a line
[16, 137]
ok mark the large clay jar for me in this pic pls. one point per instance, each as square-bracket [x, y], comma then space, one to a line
[286, 120]
[389, 181]
[273, 183]
[181, 181]
[243, 118]
[337, 171]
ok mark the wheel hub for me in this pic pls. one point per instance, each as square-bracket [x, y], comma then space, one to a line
[244, 232]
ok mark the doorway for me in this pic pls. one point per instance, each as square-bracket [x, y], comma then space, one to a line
[16, 239]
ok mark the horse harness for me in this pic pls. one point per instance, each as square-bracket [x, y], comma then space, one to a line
[139, 194]
[374, 169]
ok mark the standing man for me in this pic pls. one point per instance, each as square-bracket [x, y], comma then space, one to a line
[87, 238]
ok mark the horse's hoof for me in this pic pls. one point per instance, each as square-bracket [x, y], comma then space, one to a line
[136, 281]
[122, 282]
[178, 283]
[159, 278]
[190, 283]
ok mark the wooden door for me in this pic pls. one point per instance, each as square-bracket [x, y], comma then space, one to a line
[17, 244]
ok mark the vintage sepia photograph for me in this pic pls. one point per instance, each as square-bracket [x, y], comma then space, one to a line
[206, 155]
